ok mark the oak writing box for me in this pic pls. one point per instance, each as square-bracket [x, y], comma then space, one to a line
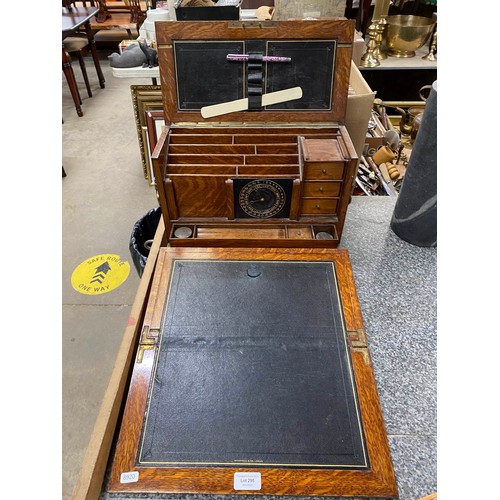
[252, 177]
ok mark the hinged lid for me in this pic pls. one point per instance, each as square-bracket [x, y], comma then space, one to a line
[196, 73]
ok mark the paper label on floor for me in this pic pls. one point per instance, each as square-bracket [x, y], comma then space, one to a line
[247, 481]
[100, 274]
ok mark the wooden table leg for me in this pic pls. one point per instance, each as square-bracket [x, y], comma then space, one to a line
[70, 78]
[95, 57]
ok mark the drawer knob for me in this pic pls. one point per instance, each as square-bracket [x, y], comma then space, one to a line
[320, 189]
[317, 206]
[323, 170]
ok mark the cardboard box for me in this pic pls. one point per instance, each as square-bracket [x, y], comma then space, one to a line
[358, 48]
[312, 9]
[359, 107]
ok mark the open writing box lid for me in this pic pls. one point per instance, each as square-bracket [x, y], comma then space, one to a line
[195, 72]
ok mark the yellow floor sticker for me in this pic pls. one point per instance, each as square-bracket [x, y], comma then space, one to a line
[100, 274]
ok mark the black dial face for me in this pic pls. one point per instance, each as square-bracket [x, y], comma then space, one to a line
[262, 198]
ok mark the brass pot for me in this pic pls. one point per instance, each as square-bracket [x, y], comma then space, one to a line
[408, 117]
[412, 117]
[406, 34]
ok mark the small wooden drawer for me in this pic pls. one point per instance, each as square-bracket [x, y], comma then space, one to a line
[321, 189]
[333, 171]
[314, 206]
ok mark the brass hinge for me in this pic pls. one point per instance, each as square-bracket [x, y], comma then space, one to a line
[357, 337]
[149, 339]
[359, 343]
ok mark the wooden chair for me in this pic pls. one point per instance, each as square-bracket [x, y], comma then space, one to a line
[110, 7]
[126, 14]
[78, 46]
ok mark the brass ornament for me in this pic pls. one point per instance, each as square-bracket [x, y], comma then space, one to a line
[431, 56]
[378, 53]
[369, 60]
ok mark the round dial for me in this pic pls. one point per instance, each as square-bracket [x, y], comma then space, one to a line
[262, 198]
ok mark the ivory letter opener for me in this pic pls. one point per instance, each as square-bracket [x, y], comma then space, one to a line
[242, 104]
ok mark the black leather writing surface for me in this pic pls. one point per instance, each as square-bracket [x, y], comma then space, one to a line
[204, 76]
[253, 368]
[311, 69]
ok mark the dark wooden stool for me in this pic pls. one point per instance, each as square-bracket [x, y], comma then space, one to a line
[78, 47]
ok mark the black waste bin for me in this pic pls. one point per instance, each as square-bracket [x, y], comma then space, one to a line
[142, 237]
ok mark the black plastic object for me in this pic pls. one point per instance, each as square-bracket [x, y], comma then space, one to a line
[142, 236]
[415, 214]
[211, 13]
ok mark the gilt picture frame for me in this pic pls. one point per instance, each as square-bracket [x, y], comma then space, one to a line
[145, 98]
[155, 122]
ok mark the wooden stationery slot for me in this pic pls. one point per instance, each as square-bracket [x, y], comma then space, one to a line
[212, 149]
[268, 138]
[268, 170]
[206, 159]
[276, 148]
[176, 169]
[271, 159]
[200, 139]
[213, 130]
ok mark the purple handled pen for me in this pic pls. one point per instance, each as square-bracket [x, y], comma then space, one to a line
[244, 57]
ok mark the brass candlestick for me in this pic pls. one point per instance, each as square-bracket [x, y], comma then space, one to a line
[380, 28]
[369, 60]
[381, 9]
[431, 56]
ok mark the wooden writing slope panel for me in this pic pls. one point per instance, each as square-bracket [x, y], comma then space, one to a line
[253, 375]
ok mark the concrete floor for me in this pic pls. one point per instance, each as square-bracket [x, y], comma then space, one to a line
[103, 195]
